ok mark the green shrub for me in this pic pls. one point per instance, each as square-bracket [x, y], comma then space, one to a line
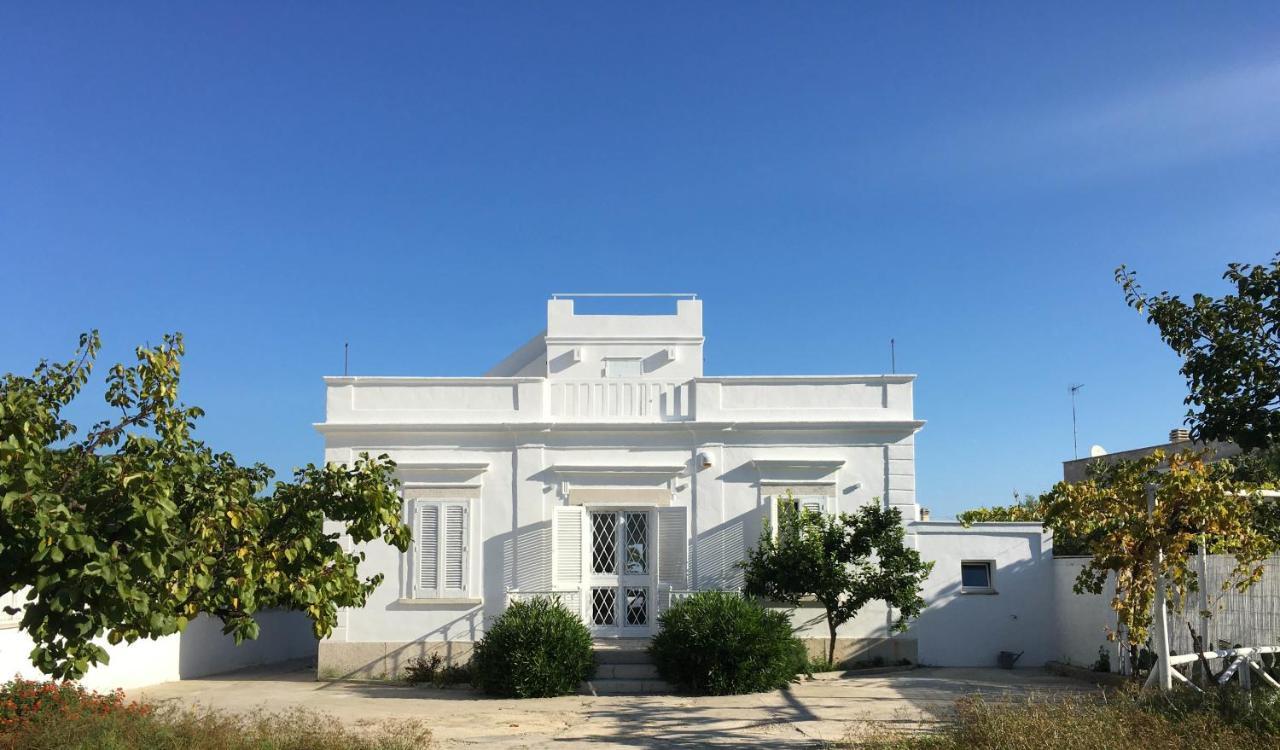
[716, 643]
[535, 649]
[433, 670]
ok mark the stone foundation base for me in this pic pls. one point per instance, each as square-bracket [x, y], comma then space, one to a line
[891, 650]
[339, 660]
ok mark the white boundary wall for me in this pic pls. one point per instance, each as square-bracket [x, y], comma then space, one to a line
[199, 651]
[1080, 620]
[961, 627]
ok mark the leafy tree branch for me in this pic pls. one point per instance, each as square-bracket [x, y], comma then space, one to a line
[134, 529]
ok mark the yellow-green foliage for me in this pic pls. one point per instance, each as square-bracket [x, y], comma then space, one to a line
[1109, 514]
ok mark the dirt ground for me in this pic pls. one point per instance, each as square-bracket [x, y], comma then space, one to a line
[808, 714]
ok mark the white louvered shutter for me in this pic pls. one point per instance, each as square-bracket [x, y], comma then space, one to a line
[568, 525]
[569, 553]
[454, 549]
[673, 549]
[815, 503]
[427, 551]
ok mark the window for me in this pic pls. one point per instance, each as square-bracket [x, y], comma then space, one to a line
[623, 367]
[975, 577]
[441, 549]
[812, 503]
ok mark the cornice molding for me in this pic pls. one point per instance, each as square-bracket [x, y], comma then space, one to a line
[338, 428]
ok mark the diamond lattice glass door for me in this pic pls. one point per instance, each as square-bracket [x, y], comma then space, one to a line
[621, 572]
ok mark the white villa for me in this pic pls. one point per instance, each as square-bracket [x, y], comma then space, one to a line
[597, 462]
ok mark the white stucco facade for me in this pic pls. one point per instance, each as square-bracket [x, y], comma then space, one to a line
[598, 462]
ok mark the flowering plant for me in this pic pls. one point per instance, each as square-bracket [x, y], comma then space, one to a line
[22, 700]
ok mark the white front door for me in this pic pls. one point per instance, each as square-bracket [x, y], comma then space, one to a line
[620, 579]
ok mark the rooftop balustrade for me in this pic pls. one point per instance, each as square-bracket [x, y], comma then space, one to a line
[490, 400]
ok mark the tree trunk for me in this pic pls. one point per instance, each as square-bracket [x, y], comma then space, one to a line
[831, 644]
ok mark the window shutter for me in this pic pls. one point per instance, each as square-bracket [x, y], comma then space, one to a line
[673, 548]
[773, 515]
[815, 503]
[568, 553]
[455, 549]
[427, 581]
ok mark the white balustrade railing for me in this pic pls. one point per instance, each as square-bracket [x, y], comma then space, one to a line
[620, 398]
[571, 598]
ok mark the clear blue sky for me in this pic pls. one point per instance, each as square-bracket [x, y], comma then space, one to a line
[964, 178]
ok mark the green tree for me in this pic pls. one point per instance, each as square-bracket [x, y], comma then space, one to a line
[1230, 349]
[1194, 500]
[1030, 508]
[841, 562]
[132, 528]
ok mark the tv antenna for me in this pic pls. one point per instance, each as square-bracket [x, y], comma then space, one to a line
[1075, 445]
[346, 356]
[893, 356]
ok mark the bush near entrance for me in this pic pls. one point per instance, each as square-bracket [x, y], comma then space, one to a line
[535, 649]
[716, 643]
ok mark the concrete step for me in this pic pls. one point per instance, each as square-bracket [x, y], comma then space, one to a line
[625, 687]
[626, 672]
[621, 656]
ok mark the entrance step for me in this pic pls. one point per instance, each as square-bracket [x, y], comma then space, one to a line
[626, 672]
[622, 651]
[623, 667]
[625, 687]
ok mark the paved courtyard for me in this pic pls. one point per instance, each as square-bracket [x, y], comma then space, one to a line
[806, 715]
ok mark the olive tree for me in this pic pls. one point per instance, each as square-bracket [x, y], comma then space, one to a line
[843, 562]
[131, 527]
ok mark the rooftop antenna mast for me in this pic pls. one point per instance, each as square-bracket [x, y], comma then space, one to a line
[893, 356]
[346, 356]
[1075, 445]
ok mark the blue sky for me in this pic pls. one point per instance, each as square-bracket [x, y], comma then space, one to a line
[417, 179]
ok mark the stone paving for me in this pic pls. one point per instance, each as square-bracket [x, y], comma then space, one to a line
[808, 714]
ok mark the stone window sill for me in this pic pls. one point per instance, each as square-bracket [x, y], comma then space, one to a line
[446, 602]
[979, 592]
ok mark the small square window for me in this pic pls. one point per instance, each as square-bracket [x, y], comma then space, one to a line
[629, 367]
[976, 576]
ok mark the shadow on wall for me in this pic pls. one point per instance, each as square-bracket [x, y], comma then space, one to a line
[380, 660]
[718, 551]
[204, 650]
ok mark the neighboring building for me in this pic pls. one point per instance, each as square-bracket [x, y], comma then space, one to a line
[1077, 470]
[597, 462]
